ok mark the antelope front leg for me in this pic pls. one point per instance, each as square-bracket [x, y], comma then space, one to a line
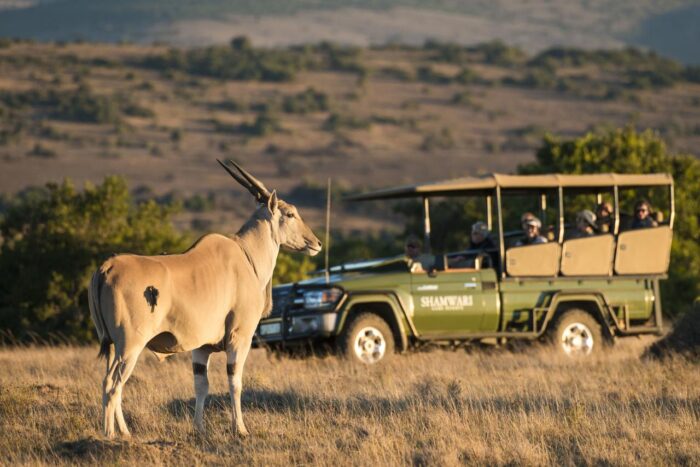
[235, 359]
[200, 363]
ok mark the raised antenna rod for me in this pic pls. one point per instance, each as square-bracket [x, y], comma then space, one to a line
[328, 230]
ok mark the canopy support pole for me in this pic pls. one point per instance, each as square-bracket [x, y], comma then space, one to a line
[543, 208]
[616, 201]
[426, 225]
[489, 213]
[672, 216]
[501, 240]
[561, 215]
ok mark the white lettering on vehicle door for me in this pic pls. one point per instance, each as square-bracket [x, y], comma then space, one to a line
[446, 302]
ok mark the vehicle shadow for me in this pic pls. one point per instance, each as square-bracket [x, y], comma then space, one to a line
[449, 397]
[289, 401]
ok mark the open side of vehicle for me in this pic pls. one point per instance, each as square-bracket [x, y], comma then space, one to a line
[579, 293]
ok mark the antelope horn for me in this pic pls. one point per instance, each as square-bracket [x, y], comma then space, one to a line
[253, 181]
[242, 181]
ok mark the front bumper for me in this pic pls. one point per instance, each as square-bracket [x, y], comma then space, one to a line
[296, 327]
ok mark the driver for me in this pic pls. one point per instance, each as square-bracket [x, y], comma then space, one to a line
[417, 261]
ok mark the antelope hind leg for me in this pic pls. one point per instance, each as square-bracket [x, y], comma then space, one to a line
[127, 368]
[200, 364]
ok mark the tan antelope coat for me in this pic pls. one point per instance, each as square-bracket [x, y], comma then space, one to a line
[209, 298]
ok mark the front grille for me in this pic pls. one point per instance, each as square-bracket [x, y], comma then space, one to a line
[296, 301]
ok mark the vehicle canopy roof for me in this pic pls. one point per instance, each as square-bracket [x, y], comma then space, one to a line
[486, 184]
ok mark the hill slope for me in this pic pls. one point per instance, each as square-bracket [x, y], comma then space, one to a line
[533, 25]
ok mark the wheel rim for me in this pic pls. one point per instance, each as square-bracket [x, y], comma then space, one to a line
[577, 339]
[369, 345]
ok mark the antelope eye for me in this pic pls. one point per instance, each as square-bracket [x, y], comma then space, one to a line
[290, 214]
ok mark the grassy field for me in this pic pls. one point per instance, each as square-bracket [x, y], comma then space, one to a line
[522, 406]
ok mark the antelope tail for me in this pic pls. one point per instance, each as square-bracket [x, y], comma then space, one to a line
[96, 313]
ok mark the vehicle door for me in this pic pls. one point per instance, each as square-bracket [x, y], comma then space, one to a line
[455, 302]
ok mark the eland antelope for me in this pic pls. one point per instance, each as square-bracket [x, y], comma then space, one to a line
[207, 299]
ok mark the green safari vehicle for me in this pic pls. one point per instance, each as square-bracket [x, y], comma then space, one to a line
[580, 294]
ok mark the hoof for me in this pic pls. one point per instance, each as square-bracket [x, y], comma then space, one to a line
[242, 432]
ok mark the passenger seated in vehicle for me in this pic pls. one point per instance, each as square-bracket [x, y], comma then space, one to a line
[480, 238]
[642, 216]
[531, 228]
[604, 215]
[417, 261]
[479, 242]
[585, 224]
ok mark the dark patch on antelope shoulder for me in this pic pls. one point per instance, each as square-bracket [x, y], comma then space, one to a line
[151, 294]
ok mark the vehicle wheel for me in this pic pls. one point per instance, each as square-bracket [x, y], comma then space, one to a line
[367, 339]
[577, 334]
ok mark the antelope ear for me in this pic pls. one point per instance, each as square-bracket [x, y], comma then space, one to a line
[272, 203]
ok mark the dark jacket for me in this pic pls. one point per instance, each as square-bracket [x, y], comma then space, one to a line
[645, 223]
[487, 244]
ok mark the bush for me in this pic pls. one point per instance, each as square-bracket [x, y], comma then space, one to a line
[337, 121]
[498, 53]
[40, 150]
[83, 106]
[292, 268]
[53, 239]
[305, 102]
[629, 151]
[240, 61]
[438, 140]
[265, 124]
[427, 74]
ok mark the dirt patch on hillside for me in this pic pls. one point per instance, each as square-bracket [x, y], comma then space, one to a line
[684, 340]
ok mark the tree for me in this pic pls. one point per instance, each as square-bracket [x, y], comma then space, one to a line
[629, 151]
[292, 268]
[52, 240]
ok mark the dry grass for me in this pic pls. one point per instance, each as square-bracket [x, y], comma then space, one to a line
[434, 408]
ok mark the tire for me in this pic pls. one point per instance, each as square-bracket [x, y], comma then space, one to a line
[576, 334]
[367, 339]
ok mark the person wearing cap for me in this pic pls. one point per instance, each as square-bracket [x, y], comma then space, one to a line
[642, 216]
[604, 218]
[479, 241]
[480, 238]
[585, 224]
[531, 228]
[416, 259]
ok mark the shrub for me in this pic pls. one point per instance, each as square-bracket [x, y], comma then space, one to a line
[135, 110]
[292, 268]
[53, 239]
[468, 76]
[427, 74]
[438, 140]
[84, 106]
[337, 121]
[464, 98]
[238, 62]
[396, 73]
[498, 53]
[40, 150]
[265, 124]
[305, 102]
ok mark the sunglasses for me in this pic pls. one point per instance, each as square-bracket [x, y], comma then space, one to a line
[412, 246]
[642, 210]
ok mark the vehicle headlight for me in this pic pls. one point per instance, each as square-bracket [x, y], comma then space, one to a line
[321, 299]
